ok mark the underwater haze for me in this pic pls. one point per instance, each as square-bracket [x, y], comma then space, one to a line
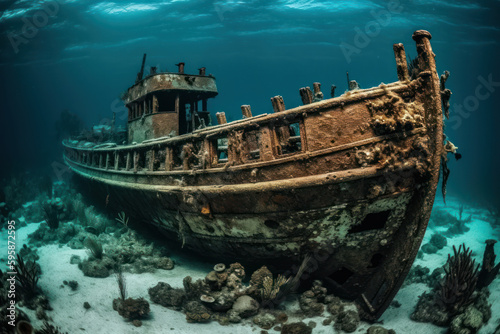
[76, 57]
[80, 55]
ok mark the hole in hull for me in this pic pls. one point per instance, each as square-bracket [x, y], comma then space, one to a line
[271, 224]
[372, 221]
[376, 260]
[342, 275]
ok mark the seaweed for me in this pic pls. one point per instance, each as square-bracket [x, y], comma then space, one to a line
[27, 277]
[122, 219]
[94, 247]
[445, 93]
[446, 174]
[120, 279]
[49, 329]
[460, 281]
[51, 216]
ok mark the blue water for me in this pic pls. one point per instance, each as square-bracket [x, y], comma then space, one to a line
[80, 55]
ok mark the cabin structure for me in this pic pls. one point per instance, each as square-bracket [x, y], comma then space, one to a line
[168, 104]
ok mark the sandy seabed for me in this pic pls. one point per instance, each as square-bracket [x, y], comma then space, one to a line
[71, 317]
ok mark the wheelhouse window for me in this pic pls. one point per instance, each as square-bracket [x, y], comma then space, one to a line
[219, 150]
[252, 139]
[289, 138]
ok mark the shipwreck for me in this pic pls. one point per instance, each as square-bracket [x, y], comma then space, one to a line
[348, 181]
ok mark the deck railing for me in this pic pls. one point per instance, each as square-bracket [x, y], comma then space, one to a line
[208, 148]
[252, 139]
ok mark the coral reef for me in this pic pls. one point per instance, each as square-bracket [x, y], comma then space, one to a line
[130, 308]
[296, 328]
[223, 297]
[245, 306]
[347, 320]
[264, 320]
[99, 268]
[379, 330]
[167, 296]
[419, 274]
[436, 243]
[196, 312]
[468, 322]
[311, 301]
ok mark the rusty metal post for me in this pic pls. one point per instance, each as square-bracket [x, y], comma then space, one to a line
[117, 160]
[101, 160]
[168, 159]
[278, 103]
[332, 91]
[152, 160]
[108, 160]
[141, 72]
[202, 70]
[136, 161]
[128, 162]
[266, 143]
[246, 111]
[306, 95]
[193, 124]
[426, 60]
[156, 105]
[177, 104]
[318, 94]
[317, 88]
[221, 117]
[181, 68]
[401, 63]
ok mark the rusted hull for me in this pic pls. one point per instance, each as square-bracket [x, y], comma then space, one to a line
[354, 189]
[362, 226]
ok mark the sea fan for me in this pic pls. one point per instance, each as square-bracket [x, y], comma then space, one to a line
[51, 215]
[49, 329]
[271, 288]
[94, 247]
[27, 277]
[460, 281]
